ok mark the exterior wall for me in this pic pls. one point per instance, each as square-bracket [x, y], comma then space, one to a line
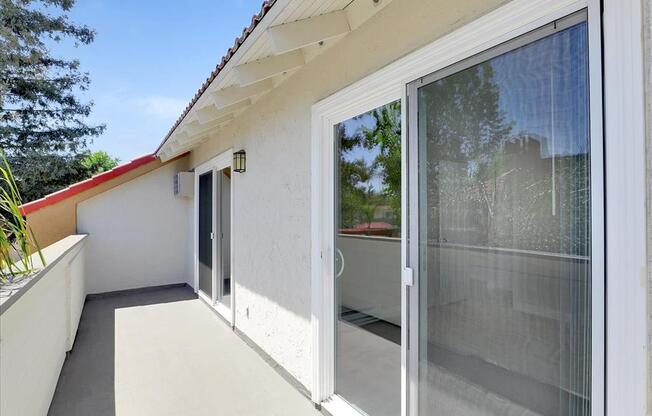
[52, 223]
[647, 44]
[59, 220]
[138, 233]
[271, 218]
[38, 324]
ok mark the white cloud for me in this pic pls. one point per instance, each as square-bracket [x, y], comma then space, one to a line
[166, 108]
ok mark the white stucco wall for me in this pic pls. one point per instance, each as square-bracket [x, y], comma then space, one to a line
[138, 233]
[371, 277]
[271, 239]
[39, 327]
[647, 44]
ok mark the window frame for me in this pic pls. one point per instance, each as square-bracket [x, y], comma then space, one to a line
[510, 21]
[214, 166]
[596, 145]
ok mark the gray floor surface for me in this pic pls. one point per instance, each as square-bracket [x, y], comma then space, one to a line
[164, 352]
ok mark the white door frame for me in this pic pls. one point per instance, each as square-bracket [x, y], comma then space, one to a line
[323, 234]
[389, 84]
[215, 165]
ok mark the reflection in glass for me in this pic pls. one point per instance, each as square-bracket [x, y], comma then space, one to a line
[225, 227]
[205, 230]
[505, 322]
[368, 260]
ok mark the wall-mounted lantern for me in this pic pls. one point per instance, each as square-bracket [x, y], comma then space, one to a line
[240, 161]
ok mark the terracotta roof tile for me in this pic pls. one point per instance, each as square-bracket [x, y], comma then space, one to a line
[257, 18]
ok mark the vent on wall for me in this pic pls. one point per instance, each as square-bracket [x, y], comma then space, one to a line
[184, 184]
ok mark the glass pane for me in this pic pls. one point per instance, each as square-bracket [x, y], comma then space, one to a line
[225, 224]
[505, 243]
[205, 230]
[368, 260]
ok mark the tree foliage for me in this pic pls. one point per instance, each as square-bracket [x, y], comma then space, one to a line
[386, 136]
[42, 120]
[99, 161]
[379, 134]
[17, 241]
[40, 173]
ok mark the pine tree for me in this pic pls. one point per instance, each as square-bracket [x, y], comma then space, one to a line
[42, 121]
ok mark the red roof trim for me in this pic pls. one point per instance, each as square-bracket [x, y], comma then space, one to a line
[82, 186]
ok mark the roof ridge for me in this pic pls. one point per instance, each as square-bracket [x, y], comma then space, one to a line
[238, 41]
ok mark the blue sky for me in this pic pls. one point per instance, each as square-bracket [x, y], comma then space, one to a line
[148, 60]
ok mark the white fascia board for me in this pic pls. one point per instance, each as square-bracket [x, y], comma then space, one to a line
[296, 35]
[236, 94]
[181, 137]
[196, 129]
[175, 147]
[360, 11]
[212, 112]
[191, 127]
[259, 30]
[261, 69]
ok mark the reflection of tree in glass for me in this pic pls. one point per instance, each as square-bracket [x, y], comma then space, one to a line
[353, 174]
[465, 131]
[488, 186]
[378, 135]
[386, 136]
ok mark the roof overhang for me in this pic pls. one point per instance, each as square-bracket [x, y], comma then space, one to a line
[282, 37]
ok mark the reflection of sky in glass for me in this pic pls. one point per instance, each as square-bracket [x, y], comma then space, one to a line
[543, 91]
[356, 124]
[542, 94]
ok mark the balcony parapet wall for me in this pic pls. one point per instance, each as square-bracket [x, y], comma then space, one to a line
[39, 317]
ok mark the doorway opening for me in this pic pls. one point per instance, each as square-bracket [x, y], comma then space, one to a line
[213, 254]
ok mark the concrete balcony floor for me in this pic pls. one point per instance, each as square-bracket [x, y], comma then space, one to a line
[164, 352]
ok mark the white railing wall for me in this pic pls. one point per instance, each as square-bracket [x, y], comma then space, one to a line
[370, 280]
[38, 324]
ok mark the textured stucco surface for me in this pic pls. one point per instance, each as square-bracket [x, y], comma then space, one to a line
[271, 239]
[39, 327]
[647, 44]
[59, 220]
[138, 233]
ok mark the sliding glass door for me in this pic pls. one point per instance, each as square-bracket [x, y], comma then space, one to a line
[502, 229]
[368, 261]
[224, 230]
[213, 201]
[205, 233]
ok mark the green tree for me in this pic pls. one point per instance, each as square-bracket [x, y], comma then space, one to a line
[41, 118]
[99, 161]
[386, 135]
[353, 174]
[40, 173]
[17, 241]
[465, 135]
[378, 134]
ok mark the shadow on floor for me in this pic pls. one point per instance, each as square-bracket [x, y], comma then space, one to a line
[86, 384]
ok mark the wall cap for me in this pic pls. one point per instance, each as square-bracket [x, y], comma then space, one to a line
[10, 293]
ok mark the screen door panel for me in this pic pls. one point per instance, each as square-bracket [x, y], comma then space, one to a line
[504, 202]
[224, 216]
[205, 232]
[368, 261]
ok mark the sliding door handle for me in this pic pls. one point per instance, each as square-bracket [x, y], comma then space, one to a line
[408, 276]
[341, 257]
